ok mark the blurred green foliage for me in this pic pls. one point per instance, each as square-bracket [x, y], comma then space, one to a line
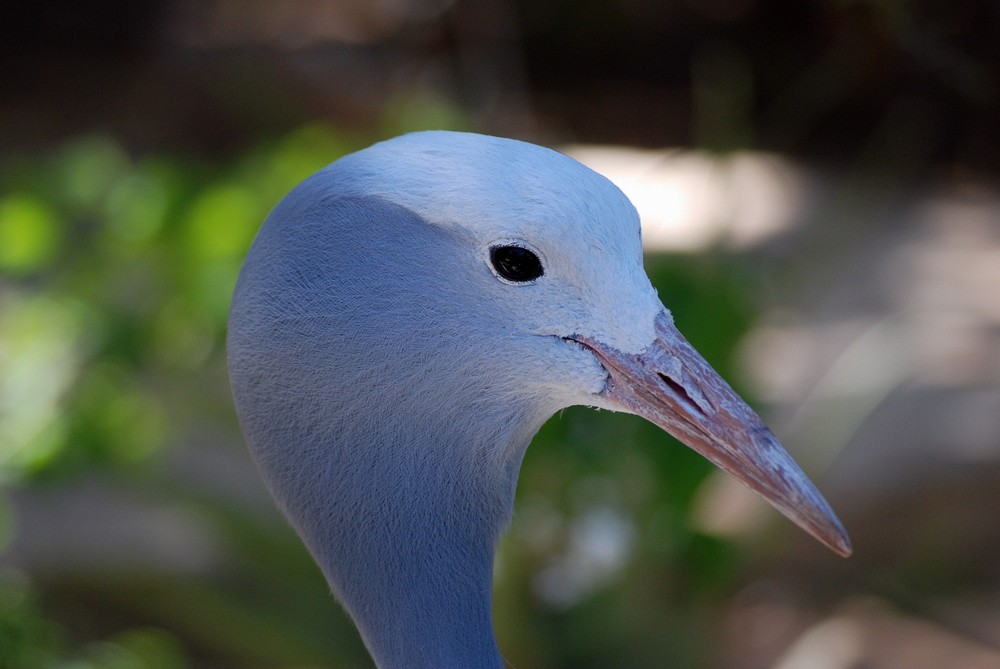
[115, 278]
[117, 271]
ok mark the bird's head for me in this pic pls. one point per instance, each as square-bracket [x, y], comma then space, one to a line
[544, 258]
[406, 320]
[438, 270]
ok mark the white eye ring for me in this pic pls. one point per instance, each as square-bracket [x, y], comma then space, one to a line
[515, 262]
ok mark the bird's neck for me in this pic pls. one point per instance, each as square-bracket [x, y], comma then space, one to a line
[424, 597]
[409, 549]
[388, 408]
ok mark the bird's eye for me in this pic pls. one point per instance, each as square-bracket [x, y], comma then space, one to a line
[516, 263]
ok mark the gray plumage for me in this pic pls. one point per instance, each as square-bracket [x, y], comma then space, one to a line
[389, 378]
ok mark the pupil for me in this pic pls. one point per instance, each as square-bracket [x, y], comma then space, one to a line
[516, 263]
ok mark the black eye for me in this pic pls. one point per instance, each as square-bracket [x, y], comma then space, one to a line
[516, 263]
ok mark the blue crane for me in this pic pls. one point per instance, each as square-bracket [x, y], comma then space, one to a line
[406, 320]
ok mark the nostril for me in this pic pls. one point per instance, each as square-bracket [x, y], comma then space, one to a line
[679, 390]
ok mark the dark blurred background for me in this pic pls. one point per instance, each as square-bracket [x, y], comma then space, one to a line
[819, 189]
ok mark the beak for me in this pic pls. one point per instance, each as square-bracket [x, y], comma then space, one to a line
[672, 386]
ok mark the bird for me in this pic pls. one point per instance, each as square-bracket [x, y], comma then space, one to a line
[405, 321]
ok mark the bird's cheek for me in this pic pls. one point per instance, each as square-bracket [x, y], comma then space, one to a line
[622, 314]
[577, 373]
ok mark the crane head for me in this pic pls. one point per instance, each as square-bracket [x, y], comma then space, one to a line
[535, 277]
[406, 320]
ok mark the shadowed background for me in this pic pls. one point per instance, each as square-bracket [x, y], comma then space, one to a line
[818, 186]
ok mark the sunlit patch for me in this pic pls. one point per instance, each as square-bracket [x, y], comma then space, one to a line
[598, 546]
[835, 643]
[692, 200]
[869, 632]
[29, 234]
[40, 357]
